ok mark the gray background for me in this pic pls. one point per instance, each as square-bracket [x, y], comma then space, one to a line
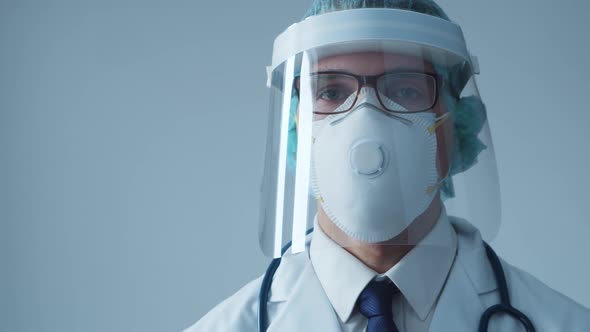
[132, 140]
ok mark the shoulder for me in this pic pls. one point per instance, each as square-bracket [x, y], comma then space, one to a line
[239, 312]
[545, 306]
[554, 311]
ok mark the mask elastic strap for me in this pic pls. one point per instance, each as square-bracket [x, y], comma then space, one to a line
[435, 187]
[439, 121]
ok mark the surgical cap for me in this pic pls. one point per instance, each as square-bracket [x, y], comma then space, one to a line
[420, 6]
[469, 113]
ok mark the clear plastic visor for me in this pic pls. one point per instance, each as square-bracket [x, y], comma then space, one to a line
[378, 147]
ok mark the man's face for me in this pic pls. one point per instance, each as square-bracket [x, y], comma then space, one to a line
[372, 64]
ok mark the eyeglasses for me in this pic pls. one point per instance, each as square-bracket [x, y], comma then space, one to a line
[336, 92]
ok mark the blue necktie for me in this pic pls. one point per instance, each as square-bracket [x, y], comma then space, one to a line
[375, 303]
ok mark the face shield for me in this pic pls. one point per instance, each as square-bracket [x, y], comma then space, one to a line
[376, 133]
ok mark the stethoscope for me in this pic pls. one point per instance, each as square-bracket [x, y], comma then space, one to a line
[503, 307]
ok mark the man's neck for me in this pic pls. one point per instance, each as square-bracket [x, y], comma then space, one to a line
[380, 257]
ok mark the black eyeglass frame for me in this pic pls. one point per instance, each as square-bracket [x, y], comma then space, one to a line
[371, 81]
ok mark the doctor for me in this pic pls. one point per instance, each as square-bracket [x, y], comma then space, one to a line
[380, 186]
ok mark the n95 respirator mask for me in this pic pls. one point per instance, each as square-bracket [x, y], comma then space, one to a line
[373, 171]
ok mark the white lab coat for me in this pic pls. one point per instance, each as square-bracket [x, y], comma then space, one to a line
[298, 302]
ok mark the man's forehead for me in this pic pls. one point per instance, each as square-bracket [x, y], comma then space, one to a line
[371, 63]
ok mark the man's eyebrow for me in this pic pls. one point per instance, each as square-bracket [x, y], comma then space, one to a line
[386, 70]
[417, 66]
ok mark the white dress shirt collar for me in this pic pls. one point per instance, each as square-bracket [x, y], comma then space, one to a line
[419, 275]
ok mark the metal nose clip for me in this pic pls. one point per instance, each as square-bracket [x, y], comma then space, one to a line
[374, 108]
[365, 100]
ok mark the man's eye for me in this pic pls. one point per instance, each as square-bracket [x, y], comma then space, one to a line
[408, 93]
[331, 95]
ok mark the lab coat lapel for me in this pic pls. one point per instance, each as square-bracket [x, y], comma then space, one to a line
[308, 308]
[459, 306]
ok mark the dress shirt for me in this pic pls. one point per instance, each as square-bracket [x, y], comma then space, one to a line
[420, 276]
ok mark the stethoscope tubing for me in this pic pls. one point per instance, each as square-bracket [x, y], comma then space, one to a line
[505, 305]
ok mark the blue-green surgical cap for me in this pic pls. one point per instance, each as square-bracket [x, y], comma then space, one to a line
[469, 114]
[420, 6]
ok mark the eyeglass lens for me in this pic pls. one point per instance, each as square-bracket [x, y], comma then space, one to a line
[337, 93]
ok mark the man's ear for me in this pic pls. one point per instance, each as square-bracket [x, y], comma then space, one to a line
[445, 141]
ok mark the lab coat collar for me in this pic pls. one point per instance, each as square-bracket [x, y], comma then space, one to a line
[472, 256]
[308, 308]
